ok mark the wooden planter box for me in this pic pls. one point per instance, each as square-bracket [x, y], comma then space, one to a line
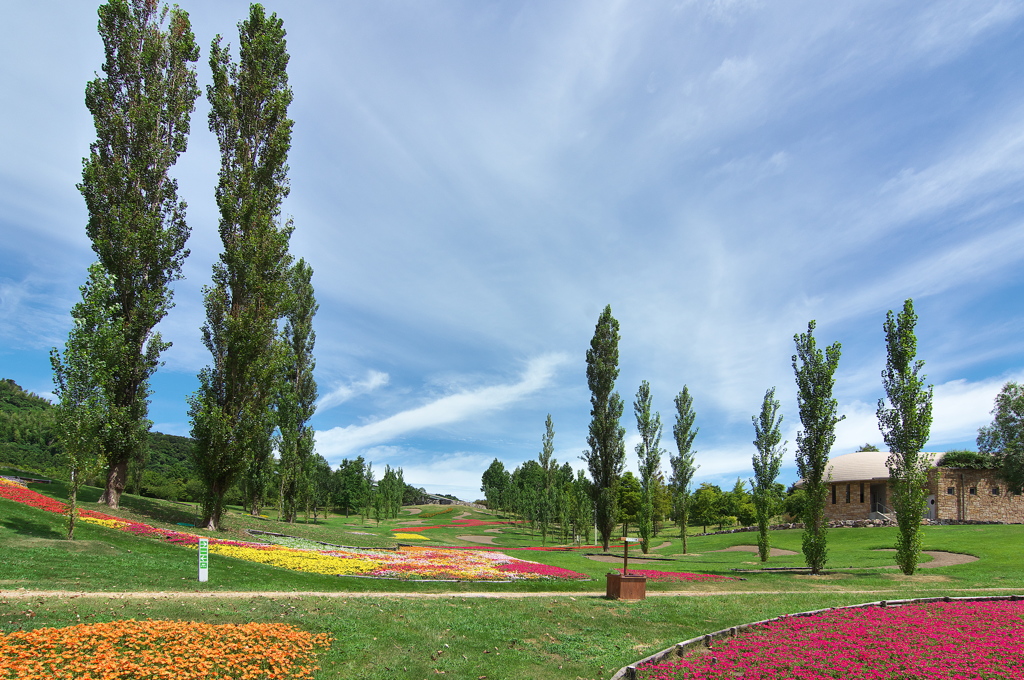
[630, 587]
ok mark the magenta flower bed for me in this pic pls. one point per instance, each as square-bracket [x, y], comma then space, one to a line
[941, 640]
[542, 569]
[677, 576]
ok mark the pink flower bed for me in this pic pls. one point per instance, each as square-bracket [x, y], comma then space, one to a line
[677, 576]
[935, 641]
[542, 569]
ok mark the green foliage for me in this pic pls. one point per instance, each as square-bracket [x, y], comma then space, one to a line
[232, 420]
[648, 453]
[141, 108]
[683, 468]
[795, 503]
[905, 426]
[494, 483]
[867, 447]
[28, 431]
[606, 454]
[78, 377]
[1003, 440]
[297, 391]
[706, 505]
[963, 458]
[815, 371]
[767, 464]
[629, 500]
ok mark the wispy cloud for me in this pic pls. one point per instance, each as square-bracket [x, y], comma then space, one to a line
[453, 408]
[342, 393]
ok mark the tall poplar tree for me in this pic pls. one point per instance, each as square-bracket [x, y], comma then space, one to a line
[232, 419]
[607, 453]
[815, 371]
[767, 465]
[648, 453]
[141, 109]
[297, 392]
[683, 468]
[905, 427]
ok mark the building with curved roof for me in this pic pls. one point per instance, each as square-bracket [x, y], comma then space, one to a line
[860, 489]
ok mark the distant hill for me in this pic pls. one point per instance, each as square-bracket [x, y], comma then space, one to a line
[28, 441]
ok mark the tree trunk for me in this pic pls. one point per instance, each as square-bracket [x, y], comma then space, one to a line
[117, 476]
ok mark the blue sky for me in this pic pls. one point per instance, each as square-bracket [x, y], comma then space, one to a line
[474, 181]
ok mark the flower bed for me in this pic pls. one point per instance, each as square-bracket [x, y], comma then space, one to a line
[184, 650]
[677, 576]
[311, 557]
[920, 642]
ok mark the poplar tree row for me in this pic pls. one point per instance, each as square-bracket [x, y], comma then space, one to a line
[258, 394]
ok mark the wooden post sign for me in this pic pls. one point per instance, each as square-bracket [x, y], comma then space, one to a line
[625, 554]
[204, 560]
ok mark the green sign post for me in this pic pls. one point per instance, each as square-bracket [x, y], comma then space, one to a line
[204, 560]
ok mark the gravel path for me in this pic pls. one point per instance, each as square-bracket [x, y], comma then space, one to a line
[774, 552]
[486, 540]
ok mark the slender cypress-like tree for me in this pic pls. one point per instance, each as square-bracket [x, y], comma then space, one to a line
[297, 392]
[683, 468]
[607, 453]
[905, 427]
[815, 371]
[141, 109]
[648, 453]
[232, 418]
[767, 465]
[79, 376]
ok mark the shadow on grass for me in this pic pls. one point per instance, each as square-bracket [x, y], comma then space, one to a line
[25, 527]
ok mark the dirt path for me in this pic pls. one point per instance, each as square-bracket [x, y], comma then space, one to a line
[227, 595]
[413, 511]
[614, 559]
[774, 552]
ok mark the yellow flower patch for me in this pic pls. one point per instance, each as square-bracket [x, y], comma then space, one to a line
[412, 537]
[111, 523]
[298, 560]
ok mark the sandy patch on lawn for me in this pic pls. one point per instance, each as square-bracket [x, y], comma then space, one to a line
[940, 558]
[774, 552]
[492, 531]
[486, 540]
[413, 511]
[663, 545]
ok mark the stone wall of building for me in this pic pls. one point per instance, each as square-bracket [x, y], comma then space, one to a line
[979, 495]
[848, 500]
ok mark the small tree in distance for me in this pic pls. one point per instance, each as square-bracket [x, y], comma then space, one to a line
[767, 465]
[815, 371]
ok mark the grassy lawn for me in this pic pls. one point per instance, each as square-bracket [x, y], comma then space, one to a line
[571, 633]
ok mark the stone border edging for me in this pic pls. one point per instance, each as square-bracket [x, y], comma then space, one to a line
[681, 648]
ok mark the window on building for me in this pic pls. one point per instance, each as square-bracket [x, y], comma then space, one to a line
[995, 490]
[950, 490]
[862, 492]
[974, 491]
[833, 494]
[848, 492]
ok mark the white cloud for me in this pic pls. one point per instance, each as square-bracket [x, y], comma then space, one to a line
[342, 393]
[339, 441]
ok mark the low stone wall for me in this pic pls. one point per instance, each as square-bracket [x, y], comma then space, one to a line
[680, 649]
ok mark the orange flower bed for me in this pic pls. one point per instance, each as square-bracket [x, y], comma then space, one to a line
[151, 650]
